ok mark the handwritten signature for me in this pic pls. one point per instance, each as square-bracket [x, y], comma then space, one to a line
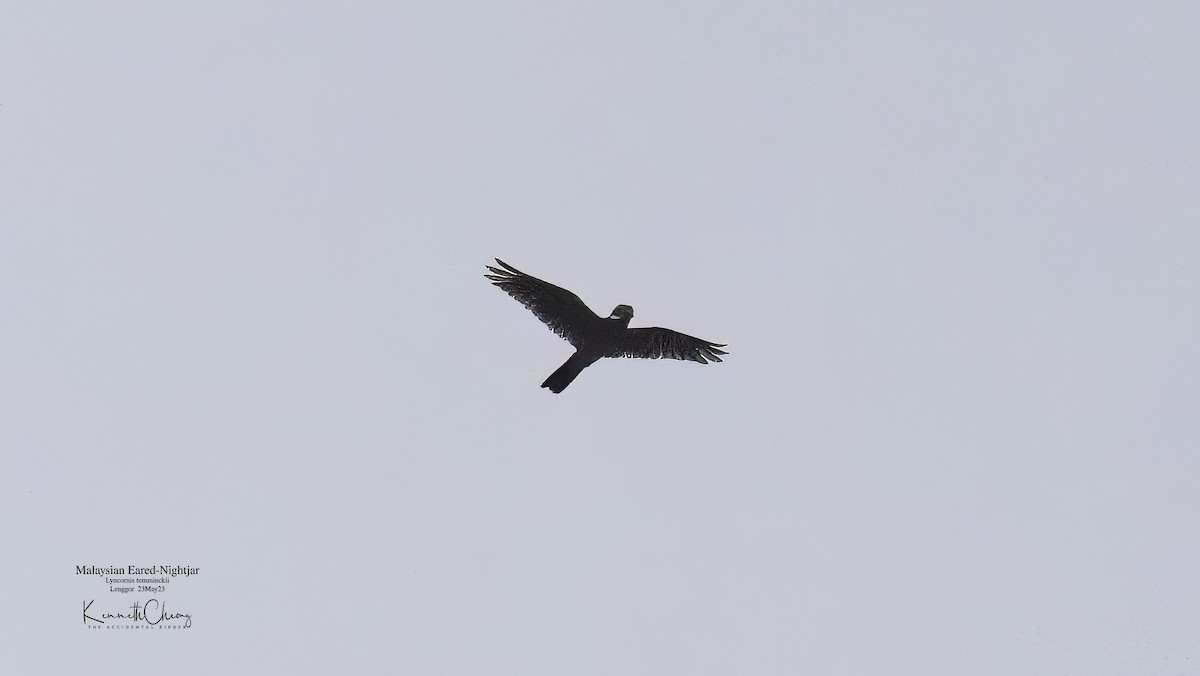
[152, 612]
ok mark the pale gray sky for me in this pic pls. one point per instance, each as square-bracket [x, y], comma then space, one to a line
[953, 247]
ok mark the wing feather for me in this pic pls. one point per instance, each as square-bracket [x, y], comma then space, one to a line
[657, 343]
[558, 308]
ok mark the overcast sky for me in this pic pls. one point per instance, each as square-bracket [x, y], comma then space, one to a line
[954, 249]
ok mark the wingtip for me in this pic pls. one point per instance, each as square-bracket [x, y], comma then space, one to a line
[508, 267]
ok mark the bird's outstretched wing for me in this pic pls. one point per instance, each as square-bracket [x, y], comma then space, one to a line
[558, 308]
[659, 343]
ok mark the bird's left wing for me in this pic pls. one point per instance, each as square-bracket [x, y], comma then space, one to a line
[558, 308]
[656, 343]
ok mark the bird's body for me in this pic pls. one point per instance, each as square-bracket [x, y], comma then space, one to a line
[594, 337]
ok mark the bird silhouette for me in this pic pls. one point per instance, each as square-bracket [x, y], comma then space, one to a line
[593, 337]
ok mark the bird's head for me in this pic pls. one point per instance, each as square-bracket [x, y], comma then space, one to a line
[622, 313]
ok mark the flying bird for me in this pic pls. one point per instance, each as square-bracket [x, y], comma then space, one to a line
[593, 337]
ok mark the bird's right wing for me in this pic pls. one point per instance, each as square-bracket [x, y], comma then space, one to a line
[656, 343]
[558, 308]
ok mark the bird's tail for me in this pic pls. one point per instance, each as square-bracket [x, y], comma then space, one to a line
[558, 381]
